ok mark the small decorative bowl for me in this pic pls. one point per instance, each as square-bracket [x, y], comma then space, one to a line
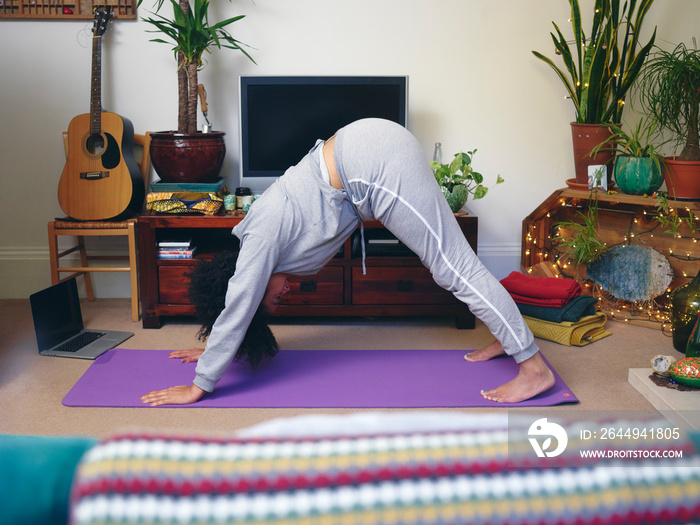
[686, 371]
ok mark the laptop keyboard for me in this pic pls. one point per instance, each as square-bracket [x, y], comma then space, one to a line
[78, 342]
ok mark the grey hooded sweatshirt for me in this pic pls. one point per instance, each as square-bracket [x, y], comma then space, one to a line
[301, 221]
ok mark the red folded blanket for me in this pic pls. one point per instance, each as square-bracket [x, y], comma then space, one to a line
[540, 291]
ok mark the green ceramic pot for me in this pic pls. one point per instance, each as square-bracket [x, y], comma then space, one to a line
[457, 197]
[638, 175]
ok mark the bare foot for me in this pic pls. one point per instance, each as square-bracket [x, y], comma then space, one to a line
[534, 377]
[488, 352]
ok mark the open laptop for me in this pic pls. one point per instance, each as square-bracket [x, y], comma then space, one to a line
[58, 323]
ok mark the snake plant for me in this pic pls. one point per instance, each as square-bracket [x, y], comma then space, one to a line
[600, 68]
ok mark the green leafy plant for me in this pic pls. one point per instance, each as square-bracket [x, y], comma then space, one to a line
[458, 180]
[460, 172]
[669, 90]
[668, 217]
[191, 35]
[643, 141]
[582, 240]
[602, 66]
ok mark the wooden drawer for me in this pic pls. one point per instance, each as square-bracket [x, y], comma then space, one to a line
[396, 285]
[392, 285]
[173, 284]
[326, 287]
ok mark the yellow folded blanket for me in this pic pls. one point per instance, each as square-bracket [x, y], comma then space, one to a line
[583, 332]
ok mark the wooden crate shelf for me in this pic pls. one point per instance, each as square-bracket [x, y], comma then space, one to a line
[622, 219]
[63, 9]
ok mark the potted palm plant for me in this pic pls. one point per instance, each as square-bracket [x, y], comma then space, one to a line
[187, 155]
[669, 90]
[598, 70]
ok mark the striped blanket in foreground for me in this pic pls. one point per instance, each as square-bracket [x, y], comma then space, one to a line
[422, 477]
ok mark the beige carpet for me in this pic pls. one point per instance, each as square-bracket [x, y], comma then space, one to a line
[32, 387]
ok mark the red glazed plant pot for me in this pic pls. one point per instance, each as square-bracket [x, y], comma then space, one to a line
[180, 158]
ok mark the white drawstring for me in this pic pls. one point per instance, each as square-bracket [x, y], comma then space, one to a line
[362, 241]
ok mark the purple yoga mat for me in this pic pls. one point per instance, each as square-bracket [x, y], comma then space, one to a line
[311, 379]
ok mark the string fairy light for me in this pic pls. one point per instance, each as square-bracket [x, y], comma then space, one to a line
[644, 225]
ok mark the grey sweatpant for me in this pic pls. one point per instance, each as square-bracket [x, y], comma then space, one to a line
[383, 169]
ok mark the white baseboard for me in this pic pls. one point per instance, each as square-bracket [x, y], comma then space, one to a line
[500, 259]
[26, 270]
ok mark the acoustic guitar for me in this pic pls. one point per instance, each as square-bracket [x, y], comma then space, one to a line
[101, 179]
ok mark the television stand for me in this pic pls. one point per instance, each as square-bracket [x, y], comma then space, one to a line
[396, 283]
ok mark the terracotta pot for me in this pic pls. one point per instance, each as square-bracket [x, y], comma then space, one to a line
[180, 158]
[682, 179]
[585, 138]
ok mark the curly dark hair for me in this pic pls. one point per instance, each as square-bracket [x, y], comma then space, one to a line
[207, 292]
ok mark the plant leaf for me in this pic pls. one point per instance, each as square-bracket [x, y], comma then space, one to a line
[456, 164]
[480, 192]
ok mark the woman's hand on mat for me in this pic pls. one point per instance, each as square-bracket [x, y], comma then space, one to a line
[191, 355]
[176, 395]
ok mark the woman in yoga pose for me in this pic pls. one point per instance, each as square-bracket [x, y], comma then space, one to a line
[371, 169]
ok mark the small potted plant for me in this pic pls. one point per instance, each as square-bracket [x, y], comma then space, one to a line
[458, 179]
[188, 155]
[598, 70]
[669, 91]
[639, 163]
[581, 239]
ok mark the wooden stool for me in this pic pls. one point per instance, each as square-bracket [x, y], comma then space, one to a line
[80, 230]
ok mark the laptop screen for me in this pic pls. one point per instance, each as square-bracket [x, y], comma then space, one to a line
[56, 312]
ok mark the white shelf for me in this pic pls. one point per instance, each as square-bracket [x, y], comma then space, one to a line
[683, 405]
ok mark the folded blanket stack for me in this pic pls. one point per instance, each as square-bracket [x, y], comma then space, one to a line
[556, 310]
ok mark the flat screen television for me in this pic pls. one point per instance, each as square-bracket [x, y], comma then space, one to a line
[281, 117]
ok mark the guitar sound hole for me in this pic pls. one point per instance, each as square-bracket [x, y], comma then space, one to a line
[95, 145]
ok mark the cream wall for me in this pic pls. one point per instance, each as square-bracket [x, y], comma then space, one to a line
[473, 84]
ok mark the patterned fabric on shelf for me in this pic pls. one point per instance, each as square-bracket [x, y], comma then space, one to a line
[207, 203]
[426, 477]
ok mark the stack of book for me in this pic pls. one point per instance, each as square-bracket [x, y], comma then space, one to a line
[176, 249]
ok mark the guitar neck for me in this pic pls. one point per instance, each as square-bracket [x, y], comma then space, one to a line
[96, 87]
